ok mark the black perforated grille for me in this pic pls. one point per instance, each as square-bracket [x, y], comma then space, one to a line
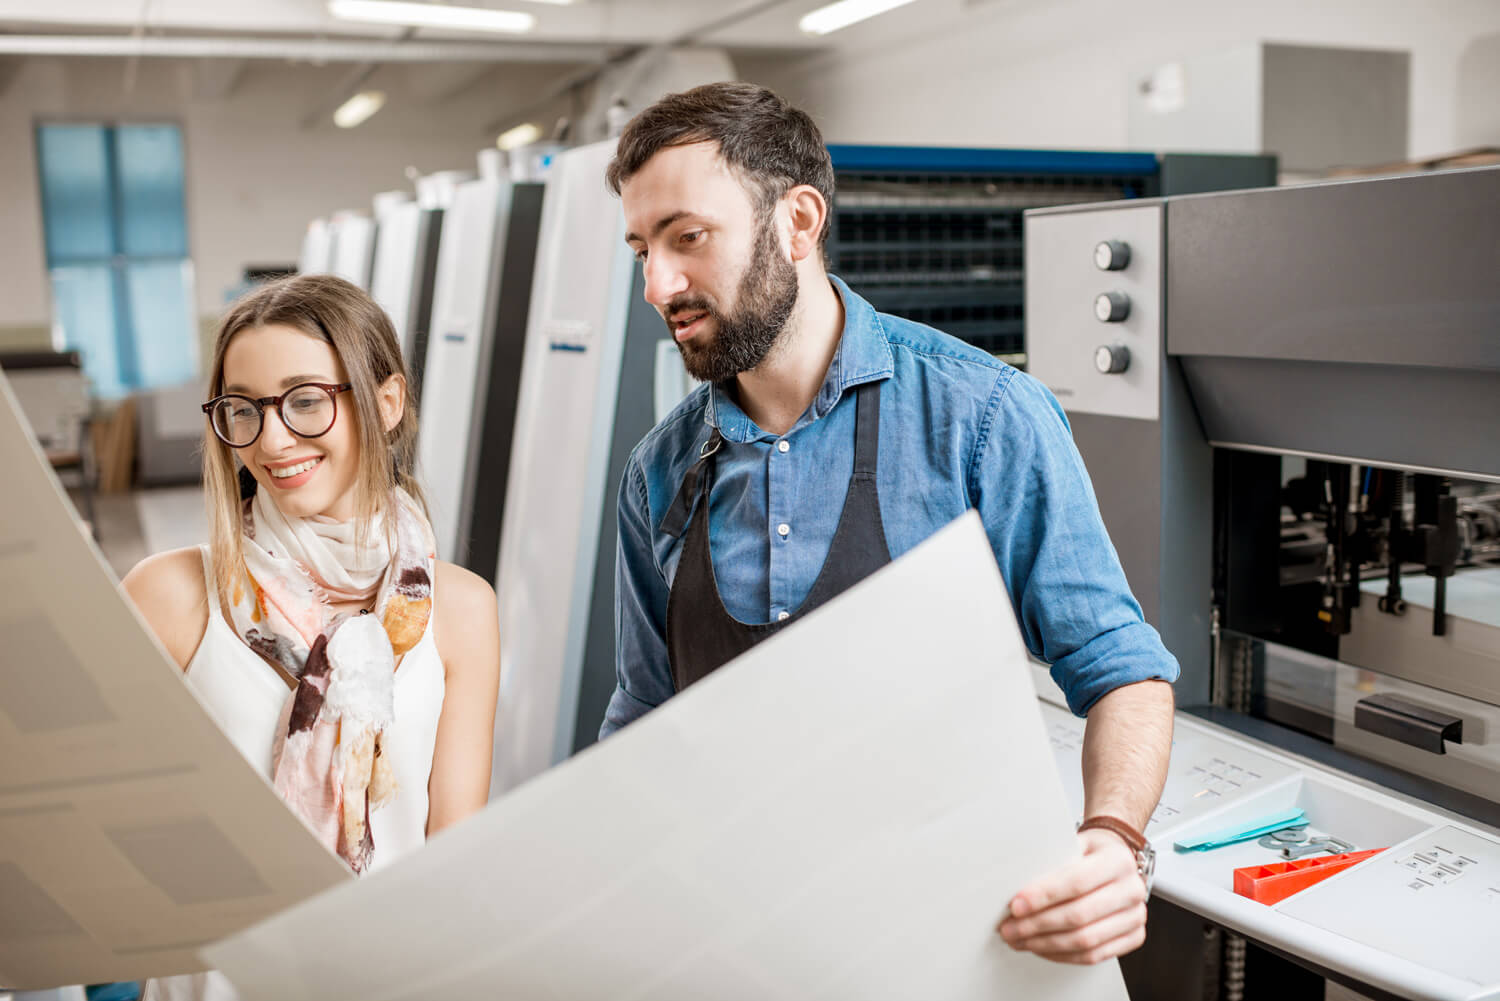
[948, 250]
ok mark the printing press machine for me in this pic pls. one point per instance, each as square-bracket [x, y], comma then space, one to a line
[1288, 401]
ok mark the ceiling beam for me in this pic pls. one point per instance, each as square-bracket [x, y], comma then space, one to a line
[315, 50]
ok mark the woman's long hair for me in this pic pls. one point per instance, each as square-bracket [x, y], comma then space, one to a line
[340, 314]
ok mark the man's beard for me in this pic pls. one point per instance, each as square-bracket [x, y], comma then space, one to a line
[763, 304]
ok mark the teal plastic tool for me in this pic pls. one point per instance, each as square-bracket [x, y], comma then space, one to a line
[1244, 831]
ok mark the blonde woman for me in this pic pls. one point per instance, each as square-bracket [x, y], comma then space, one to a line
[340, 657]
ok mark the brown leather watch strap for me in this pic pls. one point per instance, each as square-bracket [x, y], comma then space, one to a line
[1132, 837]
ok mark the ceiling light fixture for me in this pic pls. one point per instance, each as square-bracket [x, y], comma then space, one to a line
[844, 13]
[358, 108]
[521, 135]
[432, 15]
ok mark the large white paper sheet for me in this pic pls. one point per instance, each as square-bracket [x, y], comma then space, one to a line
[841, 813]
[131, 830]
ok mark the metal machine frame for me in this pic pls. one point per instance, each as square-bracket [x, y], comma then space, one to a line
[1347, 329]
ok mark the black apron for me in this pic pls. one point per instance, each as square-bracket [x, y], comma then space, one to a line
[701, 634]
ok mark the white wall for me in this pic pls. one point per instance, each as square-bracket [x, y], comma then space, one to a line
[1054, 73]
[254, 175]
[1029, 73]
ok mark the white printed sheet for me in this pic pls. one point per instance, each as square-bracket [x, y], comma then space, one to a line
[841, 813]
[131, 830]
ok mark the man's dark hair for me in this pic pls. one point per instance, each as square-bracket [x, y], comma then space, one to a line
[772, 146]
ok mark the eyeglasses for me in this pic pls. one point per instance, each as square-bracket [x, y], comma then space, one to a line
[307, 410]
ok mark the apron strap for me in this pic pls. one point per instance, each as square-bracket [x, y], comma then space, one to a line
[867, 430]
[675, 521]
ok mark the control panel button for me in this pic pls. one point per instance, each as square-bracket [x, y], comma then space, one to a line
[1112, 255]
[1111, 307]
[1111, 359]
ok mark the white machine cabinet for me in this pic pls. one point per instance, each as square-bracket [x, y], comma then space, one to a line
[353, 247]
[470, 251]
[575, 337]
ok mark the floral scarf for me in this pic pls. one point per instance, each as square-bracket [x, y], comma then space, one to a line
[326, 762]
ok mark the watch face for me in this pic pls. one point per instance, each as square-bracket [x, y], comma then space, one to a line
[1146, 860]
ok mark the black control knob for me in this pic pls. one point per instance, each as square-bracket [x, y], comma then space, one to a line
[1112, 255]
[1111, 307]
[1111, 359]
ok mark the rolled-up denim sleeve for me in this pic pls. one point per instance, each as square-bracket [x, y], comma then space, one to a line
[643, 677]
[1064, 578]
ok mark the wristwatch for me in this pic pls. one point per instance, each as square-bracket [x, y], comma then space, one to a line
[1145, 855]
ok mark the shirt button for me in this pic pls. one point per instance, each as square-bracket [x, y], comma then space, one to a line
[783, 445]
[783, 616]
[783, 529]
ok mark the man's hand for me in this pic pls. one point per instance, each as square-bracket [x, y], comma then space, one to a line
[1088, 911]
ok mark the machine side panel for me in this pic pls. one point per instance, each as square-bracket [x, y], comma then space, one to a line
[489, 464]
[482, 423]
[1195, 173]
[419, 319]
[1414, 417]
[634, 416]
[457, 350]
[1123, 458]
[317, 248]
[397, 245]
[1186, 524]
[353, 248]
[1396, 272]
[556, 484]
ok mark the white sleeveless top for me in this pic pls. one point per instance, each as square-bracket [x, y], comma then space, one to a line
[244, 695]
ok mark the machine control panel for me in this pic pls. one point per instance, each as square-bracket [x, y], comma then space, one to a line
[1436, 866]
[1424, 913]
[1434, 900]
[1112, 255]
[1204, 774]
[1417, 920]
[1090, 266]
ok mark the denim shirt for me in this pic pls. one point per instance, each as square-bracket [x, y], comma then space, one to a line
[959, 429]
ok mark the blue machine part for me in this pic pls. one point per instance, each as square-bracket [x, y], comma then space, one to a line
[940, 159]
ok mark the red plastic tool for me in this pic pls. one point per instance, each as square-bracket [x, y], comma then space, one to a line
[1279, 880]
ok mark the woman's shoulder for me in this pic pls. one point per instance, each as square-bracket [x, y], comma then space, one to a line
[466, 616]
[460, 589]
[170, 592]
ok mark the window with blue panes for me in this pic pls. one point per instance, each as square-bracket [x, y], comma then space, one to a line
[117, 252]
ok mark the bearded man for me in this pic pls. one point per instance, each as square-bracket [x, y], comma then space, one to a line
[829, 439]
